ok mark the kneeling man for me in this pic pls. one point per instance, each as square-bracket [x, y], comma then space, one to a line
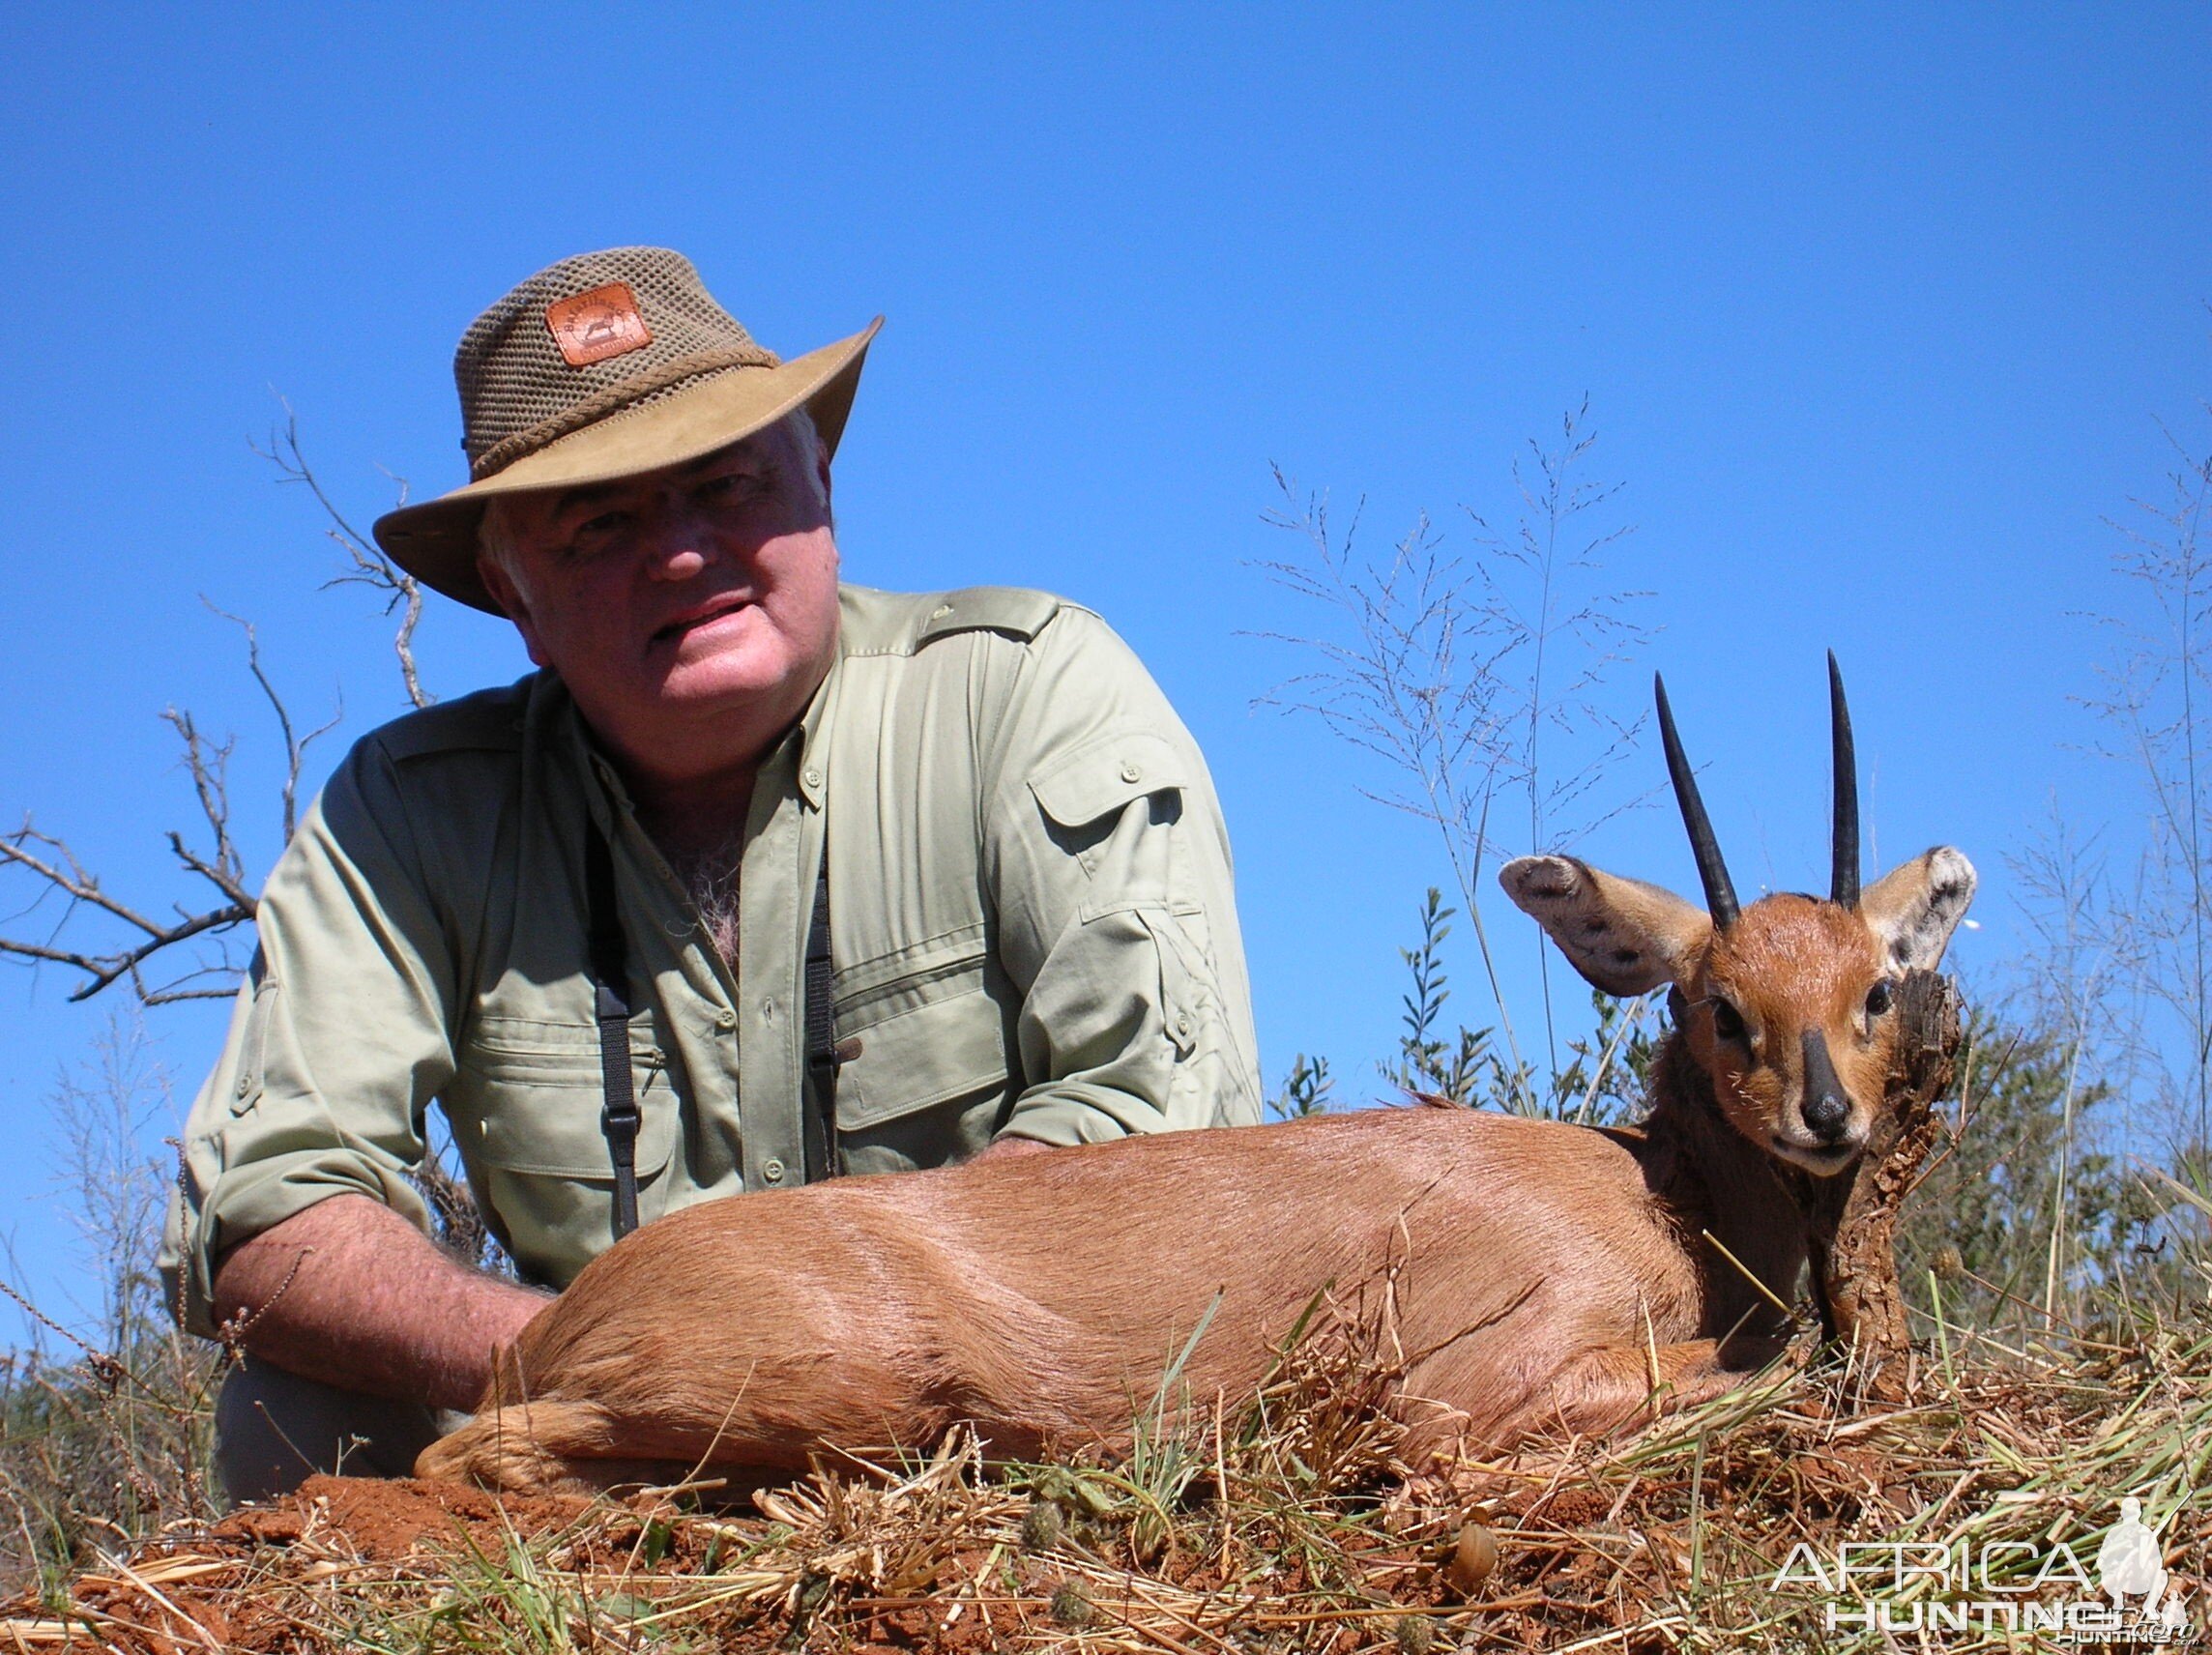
[759, 879]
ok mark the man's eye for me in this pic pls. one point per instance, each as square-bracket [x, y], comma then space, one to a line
[597, 533]
[729, 486]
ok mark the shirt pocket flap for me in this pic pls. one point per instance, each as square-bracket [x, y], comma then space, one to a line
[937, 1051]
[1101, 777]
[544, 1096]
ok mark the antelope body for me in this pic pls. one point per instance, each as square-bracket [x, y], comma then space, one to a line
[1540, 1276]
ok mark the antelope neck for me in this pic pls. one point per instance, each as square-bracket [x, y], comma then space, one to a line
[1713, 1179]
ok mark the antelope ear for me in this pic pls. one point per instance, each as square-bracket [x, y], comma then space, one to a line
[1915, 907]
[1625, 936]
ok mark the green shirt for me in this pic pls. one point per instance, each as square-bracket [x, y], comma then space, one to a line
[1033, 925]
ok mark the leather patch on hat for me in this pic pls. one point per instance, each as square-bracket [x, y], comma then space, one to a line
[594, 326]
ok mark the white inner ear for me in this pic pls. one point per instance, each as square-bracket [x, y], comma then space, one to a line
[1625, 937]
[1916, 908]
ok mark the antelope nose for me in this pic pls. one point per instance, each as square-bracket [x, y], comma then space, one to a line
[1825, 1114]
[1824, 1108]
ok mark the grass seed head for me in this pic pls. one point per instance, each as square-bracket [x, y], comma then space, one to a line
[1043, 1526]
[1071, 1604]
[1416, 1635]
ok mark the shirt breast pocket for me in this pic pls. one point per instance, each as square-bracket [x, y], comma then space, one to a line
[525, 1114]
[926, 1079]
[1085, 796]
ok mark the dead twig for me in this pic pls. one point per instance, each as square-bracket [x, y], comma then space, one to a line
[365, 564]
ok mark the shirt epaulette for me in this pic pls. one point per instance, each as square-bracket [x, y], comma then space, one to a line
[489, 720]
[1011, 609]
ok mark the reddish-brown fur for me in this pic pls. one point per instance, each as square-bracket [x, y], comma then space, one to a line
[1542, 1276]
[1792, 963]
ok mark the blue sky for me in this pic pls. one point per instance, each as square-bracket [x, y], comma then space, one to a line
[1877, 312]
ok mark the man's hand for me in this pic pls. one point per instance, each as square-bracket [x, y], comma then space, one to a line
[1006, 1148]
[349, 1292]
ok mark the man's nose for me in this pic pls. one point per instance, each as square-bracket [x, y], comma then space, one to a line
[681, 561]
[679, 544]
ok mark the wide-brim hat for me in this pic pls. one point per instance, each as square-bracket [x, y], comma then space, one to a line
[598, 368]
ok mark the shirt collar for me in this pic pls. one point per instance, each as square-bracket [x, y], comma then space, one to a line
[813, 734]
[807, 742]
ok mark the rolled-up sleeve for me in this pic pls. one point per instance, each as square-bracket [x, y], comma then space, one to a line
[1111, 877]
[337, 1043]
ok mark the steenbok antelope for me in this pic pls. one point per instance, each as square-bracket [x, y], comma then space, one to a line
[1541, 1275]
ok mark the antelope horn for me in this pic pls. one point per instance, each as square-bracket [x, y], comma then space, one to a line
[1844, 887]
[1720, 895]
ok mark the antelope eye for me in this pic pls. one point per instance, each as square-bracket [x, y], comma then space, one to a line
[1728, 1022]
[1878, 999]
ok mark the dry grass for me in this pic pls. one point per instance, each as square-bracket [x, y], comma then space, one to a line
[1277, 1525]
[102, 1450]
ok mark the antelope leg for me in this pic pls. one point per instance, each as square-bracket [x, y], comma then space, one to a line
[1613, 1386]
[536, 1446]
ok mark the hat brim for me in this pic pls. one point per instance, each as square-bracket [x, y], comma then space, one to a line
[436, 541]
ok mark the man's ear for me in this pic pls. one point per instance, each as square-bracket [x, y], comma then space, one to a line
[1625, 936]
[501, 585]
[1914, 909]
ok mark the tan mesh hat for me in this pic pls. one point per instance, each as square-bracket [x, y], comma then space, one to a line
[598, 367]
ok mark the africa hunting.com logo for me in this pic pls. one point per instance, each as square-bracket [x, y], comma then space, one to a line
[1886, 1586]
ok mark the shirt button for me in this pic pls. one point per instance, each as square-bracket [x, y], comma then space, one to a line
[1131, 770]
[812, 777]
[725, 1019]
[1182, 1023]
[772, 1170]
[245, 1084]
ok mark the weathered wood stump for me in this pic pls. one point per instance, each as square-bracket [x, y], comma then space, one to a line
[1854, 1218]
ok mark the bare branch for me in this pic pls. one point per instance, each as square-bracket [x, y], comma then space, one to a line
[51, 862]
[56, 871]
[208, 765]
[224, 877]
[367, 565]
[62, 872]
[296, 745]
[173, 994]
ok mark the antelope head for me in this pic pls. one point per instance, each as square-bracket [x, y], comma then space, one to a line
[1786, 1006]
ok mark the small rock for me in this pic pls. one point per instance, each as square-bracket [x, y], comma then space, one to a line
[1474, 1559]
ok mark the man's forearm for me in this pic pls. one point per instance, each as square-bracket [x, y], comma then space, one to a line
[1006, 1148]
[349, 1292]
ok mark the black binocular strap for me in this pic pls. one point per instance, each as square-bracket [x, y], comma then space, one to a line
[819, 1108]
[618, 1116]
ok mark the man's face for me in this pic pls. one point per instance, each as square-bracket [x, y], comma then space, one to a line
[691, 610]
